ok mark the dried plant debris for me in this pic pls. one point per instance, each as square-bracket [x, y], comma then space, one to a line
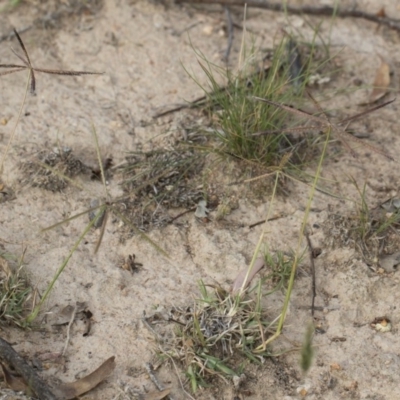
[381, 324]
[159, 180]
[107, 163]
[50, 170]
[373, 233]
[130, 264]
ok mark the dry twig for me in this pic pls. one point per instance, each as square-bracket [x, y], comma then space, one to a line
[8, 354]
[314, 291]
[325, 123]
[306, 9]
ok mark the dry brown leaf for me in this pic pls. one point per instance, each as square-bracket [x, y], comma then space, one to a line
[15, 383]
[239, 281]
[381, 82]
[157, 395]
[71, 390]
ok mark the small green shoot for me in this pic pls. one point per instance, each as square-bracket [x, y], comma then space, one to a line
[280, 265]
[307, 351]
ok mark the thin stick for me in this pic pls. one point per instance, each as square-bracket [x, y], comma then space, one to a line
[264, 220]
[335, 128]
[8, 354]
[181, 214]
[314, 291]
[306, 9]
[195, 103]
[71, 321]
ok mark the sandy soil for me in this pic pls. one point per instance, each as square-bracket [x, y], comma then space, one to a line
[142, 47]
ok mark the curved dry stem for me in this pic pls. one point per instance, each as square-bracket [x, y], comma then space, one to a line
[260, 240]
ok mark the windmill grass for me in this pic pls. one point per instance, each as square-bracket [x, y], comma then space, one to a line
[27, 65]
[31, 82]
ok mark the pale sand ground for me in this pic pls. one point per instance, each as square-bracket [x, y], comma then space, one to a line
[143, 72]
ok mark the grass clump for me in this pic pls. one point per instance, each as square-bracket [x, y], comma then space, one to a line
[16, 294]
[280, 265]
[217, 335]
[240, 123]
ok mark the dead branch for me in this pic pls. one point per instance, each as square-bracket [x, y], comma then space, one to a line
[8, 354]
[311, 10]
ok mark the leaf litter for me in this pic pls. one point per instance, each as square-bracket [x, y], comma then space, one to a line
[381, 83]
